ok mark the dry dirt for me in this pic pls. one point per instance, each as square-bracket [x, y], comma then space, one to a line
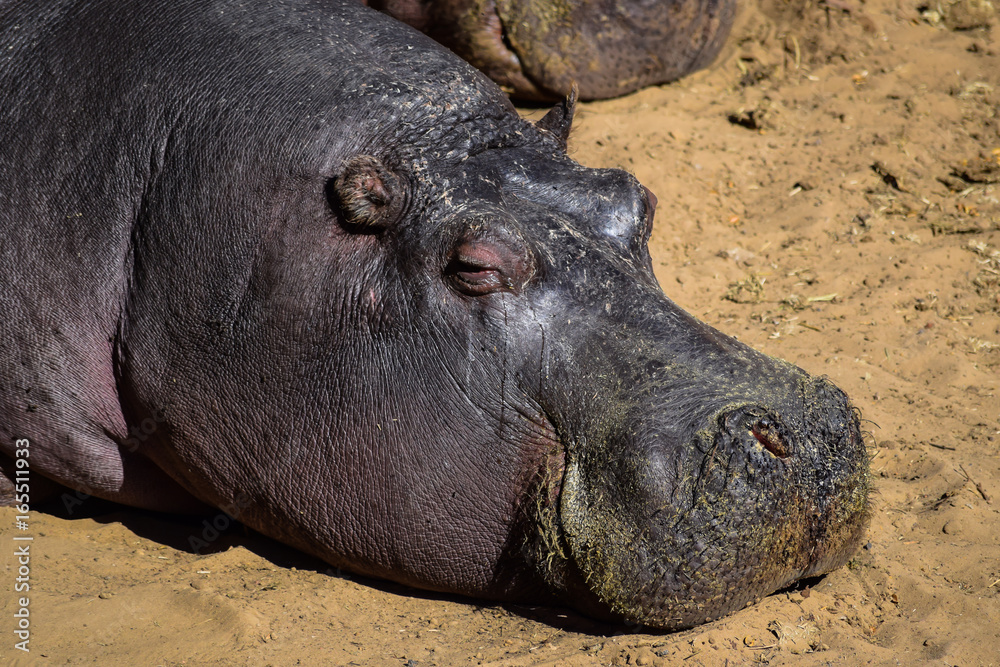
[828, 192]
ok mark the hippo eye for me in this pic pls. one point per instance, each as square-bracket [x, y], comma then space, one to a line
[478, 267]
[476, 281]
[767, 435]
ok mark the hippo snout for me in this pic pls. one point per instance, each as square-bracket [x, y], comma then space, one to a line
[682, 529]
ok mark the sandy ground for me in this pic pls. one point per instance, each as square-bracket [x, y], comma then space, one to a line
[829, 194]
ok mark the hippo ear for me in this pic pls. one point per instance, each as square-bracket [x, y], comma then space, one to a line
[560, 117]
[367, 195]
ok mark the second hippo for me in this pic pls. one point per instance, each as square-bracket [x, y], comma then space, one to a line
[538, 49]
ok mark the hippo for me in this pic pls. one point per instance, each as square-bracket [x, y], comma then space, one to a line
[295, 261]
[538, 49]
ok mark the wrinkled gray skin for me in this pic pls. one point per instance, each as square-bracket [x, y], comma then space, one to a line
[297, 261]
[537, 49]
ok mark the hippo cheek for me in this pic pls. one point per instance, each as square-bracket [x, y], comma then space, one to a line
[671, 536]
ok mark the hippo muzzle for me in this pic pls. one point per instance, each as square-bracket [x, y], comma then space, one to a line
[672, 535]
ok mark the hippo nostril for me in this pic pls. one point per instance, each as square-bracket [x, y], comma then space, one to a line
[766, 428]
[767, 435]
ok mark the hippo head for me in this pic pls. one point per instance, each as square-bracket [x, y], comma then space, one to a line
[537, 49]
[673, 473]
[394, 325]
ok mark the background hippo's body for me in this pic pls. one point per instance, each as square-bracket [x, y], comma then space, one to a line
[297, 261]
[538, 49]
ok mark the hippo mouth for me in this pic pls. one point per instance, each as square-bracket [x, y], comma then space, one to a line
[671, 537]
